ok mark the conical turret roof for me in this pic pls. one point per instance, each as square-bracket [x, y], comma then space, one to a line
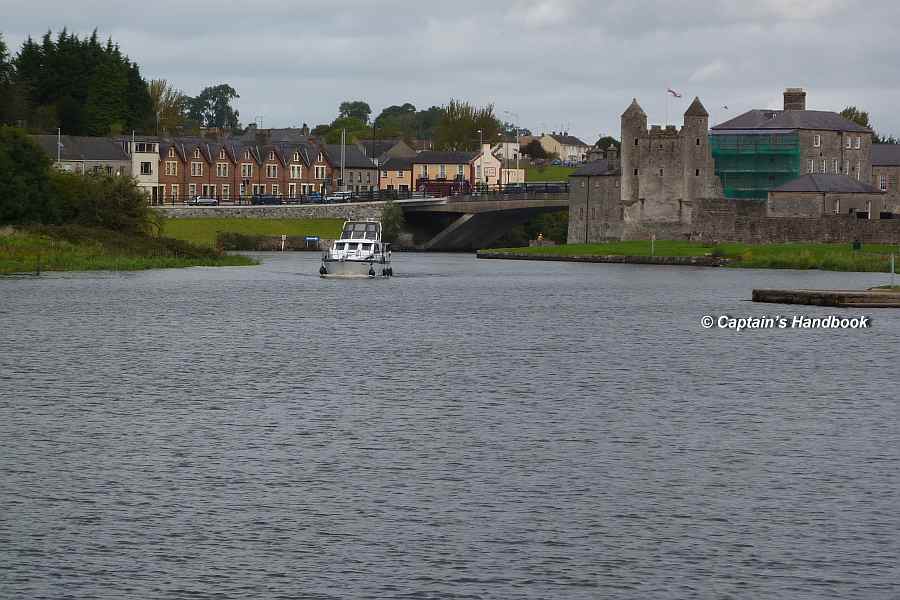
[634, 109]
[696, 109]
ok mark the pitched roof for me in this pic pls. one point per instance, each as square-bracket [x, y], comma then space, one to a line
[696, 109]
[596, 168]
[435, 157]
[567, 140]
[76, 147]
[634, 108]
[827, 182]
[885, 155]
[792, 119]
[397, 163]
[353, 157]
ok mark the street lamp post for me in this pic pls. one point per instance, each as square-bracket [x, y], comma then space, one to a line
[518, 148]
[480, 149]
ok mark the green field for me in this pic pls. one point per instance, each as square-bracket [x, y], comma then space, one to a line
[548, 173]
[204, 231]
[828, 257]
[73, 248]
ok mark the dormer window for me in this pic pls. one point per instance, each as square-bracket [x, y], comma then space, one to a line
[171, 152]
[196, 152]
[246, 155]
[222, 154]
[320, 157]
[271, 156]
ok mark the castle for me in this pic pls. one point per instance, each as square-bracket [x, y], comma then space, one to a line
[662, 173]
[762, 168]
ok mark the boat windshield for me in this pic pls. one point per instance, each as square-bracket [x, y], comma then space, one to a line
[339, 246]
[360, 231]
[366, 248]
[352, 246]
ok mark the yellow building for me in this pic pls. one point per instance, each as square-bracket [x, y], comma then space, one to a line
[396, 174]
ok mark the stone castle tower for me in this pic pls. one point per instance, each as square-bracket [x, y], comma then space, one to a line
[665, 170]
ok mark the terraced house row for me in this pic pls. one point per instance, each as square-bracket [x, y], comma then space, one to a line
[172, 170]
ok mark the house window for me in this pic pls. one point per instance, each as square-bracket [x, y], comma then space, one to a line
[247, 155]
[846, 167]
[196, 169]
[358, 176]
[221, 155]
[858, 143]
[275, 188]
[817, 141]
[883, 183]
[635, 141]
[296, 172]
[320, 158]
[146, 168]
[246, 171]
[171, 167]
[296, 157]
[192, 190]
[400, 173]
[384, 173]
[271, 171]
[196, 152]
[209, 191]
[696, 172]
[460, 170]
[824, 165]
[811, 166]
[834, 166]
[849, 142]
[226, 190]
[858, 170]
[171, 152]
[221, 169]
[259, 188]
[292, 190]
[425, 171]
[174, 191]
[320, 172]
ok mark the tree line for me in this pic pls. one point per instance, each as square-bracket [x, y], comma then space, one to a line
[86, 87]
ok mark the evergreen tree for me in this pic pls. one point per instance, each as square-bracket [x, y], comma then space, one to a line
[6, 72]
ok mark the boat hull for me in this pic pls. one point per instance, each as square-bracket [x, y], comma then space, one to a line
[353, 269]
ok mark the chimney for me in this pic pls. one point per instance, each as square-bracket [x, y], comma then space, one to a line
[794, 99]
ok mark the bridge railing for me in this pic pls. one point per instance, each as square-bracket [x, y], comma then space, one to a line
[479, 192]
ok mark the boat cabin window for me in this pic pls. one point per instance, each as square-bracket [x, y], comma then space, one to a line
[377, 248]
[352, 246]
[339, 246]
[366, 247]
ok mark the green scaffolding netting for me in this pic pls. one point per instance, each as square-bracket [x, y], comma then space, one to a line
[749, 165]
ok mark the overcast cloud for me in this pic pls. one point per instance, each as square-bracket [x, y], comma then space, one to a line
[571, 64]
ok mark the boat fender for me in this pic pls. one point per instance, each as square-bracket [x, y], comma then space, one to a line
[323, 270]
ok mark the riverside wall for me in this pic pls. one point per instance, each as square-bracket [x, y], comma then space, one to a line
[726, 220]
[356, 211]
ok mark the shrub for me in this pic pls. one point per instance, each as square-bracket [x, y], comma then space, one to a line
[25, 195]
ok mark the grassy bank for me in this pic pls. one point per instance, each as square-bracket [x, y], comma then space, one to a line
[827, 257]
[548, 173]
[73, 248]
[204, 231]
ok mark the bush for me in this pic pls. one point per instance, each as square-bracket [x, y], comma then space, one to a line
[103, 201]
[25, 195]
[392, 221]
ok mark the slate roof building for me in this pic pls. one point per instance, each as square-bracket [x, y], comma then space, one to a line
[567, 147]
[396, 174]
[886, 173]
[596, 212]
[819, 194]
[359, 173]
[83, 155]
[762, 149]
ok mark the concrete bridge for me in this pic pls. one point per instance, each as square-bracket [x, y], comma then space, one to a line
[473, 222]
[465, 222]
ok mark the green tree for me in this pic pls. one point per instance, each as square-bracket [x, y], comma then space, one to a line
[168, 104]
[534, 149]
[604, 142]
[392, 221]
[114, 203]
[462, 126]
[356, 109]
[6, 72]
[212, 108]
[24, 180]
[859, 117]
[355, 130]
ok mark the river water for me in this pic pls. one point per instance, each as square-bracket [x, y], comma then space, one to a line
[467, 429]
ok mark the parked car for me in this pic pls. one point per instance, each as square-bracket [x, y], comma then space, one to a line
[267, 199]
[514, 188]
[201, 201]
[338, 197]
[556, 162]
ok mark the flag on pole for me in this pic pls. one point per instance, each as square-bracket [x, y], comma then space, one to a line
[674, 93]
[725, 106]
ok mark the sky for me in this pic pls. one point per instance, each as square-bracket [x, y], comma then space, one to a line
[549, 65]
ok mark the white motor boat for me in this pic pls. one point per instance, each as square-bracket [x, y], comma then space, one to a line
[358, 253]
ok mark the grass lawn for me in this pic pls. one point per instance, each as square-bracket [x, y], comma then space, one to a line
[203, 231]
[828, 257]
[548, 173]
[71, 248]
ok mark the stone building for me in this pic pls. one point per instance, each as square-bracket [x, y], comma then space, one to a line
[886, 174]
[596, 212]
[762, 149]
[665, 170]
[359, 173]
[817, 195]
